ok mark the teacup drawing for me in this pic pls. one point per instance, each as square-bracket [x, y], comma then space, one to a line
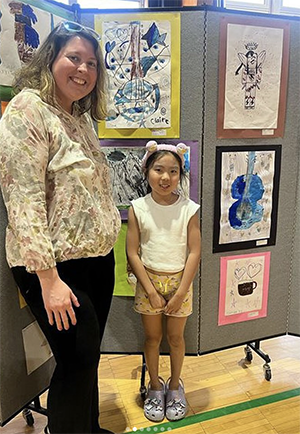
[246, 288]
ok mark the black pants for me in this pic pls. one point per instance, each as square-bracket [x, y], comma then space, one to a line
[73, 399]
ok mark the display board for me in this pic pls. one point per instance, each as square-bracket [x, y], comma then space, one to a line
[130, 338]
[199, 95]
[293, 324]
[213, 336]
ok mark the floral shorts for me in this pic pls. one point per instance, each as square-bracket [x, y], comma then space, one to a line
[167, 286]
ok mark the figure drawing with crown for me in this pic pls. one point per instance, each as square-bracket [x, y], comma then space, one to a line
[251, 65]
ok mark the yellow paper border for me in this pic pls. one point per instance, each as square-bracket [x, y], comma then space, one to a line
[174, 130]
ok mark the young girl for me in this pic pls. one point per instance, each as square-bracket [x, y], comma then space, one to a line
[163, 249]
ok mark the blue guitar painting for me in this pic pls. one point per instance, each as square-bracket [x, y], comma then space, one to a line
[248, 189]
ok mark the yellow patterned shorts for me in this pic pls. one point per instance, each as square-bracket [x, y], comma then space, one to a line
[166, 285]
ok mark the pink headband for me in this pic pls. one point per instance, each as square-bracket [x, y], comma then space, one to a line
[152, 147]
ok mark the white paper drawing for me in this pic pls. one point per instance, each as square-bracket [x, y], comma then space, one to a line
[253, 74]
[244, 285]
[138, 61]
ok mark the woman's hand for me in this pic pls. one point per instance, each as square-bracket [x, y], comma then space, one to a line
[156, 300]
[58, 299]
[174, 303]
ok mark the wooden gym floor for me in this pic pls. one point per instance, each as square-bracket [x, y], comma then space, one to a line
[225, 394]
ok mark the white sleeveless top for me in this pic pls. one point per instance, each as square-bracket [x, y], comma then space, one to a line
[163, 232]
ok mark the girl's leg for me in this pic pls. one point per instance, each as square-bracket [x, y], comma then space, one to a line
[153, 336]
[175, 336]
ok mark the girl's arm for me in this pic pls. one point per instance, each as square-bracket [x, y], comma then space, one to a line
[191, 266]
[132, 250]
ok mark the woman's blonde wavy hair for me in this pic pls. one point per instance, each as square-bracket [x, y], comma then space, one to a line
[37, 74]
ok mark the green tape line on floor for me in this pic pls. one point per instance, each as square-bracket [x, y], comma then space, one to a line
[219, 412]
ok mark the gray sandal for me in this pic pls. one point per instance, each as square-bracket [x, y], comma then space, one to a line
[154, 405]
[176, 406]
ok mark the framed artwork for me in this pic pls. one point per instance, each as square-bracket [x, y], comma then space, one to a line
[244, 285]
[253, 75]
[142, 59]
[246, 196]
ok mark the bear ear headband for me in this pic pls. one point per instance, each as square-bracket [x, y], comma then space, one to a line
[152, 147]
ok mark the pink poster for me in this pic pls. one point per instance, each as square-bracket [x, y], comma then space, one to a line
[244, 284]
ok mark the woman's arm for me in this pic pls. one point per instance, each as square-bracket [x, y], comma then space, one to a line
[24, 158]
[191, 266]
[132, 249]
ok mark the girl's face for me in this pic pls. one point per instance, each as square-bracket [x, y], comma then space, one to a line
[163, 177]
[74, 71]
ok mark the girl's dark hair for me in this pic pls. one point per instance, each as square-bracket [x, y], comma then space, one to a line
[157, 156]
[37, 74]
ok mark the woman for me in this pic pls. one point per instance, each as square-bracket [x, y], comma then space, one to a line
[62, 222]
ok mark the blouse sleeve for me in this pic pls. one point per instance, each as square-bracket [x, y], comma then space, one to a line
[24, 149]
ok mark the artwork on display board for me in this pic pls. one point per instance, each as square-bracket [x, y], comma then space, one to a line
[244, 285]
[125, 157]
[23, 27]
[246, 196]
[253, 75]
[142, 58]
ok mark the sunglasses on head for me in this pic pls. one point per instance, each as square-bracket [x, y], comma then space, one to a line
[73, 27]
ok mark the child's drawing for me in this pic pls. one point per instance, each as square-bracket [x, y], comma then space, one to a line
[251, 65]
[244, 283]
[252, 87]
[137, 58]
[246, 195]
[126, 174]
[26, 37]
[23, 29]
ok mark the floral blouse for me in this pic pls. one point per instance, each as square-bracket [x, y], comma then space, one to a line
[56, 185]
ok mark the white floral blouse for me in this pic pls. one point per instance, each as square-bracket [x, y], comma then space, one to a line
[56, 185]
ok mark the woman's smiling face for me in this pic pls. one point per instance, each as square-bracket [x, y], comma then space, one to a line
[74, 71]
